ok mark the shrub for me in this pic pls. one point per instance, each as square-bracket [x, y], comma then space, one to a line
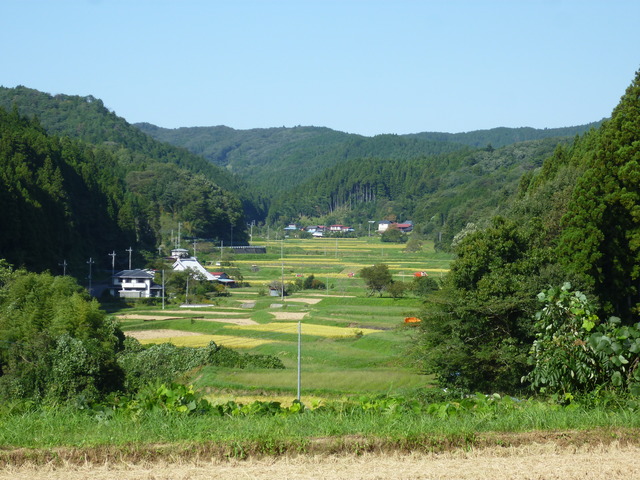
[165, 362]
[58, 344]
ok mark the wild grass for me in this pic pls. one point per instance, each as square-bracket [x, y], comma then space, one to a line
[69, 427]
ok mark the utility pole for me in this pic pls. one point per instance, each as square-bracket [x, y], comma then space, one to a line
[129, 250]
[113, 262]
[299, 357]
[90, 262]
[163, 289]
[195, 242]
[282, 260]
[179, 227]
[64, 267]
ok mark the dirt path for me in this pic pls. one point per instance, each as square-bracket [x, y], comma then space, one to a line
[531, 462]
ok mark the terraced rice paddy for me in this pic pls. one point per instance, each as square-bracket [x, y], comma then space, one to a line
[307, 329]
[351, 342]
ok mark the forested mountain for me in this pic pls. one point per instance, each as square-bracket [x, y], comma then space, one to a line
[61, 200]
[502, 136]
[440, 193]
[69, 200]
[276, 159]
[87, 119]
[570, 239]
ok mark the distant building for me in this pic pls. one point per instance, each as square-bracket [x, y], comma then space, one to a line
[190, 263]
[383, 226]
[134, 284]
[405, 227]
[179, 253]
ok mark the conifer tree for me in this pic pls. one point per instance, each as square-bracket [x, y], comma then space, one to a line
[601, 235]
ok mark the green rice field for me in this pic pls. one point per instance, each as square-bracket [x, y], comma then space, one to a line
[351, 342]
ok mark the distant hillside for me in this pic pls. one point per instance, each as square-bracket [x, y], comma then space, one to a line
[159, 184]
[440, 193]
[502, 136]
[275, 159]
[87, 119]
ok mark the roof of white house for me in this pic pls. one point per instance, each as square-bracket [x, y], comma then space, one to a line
[193, 264]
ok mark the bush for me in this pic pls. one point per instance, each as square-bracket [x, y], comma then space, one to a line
[422, 286]
[159, 363]
[165, 362]
[58, 343]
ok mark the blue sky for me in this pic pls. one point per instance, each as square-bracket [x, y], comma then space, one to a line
[358, 66]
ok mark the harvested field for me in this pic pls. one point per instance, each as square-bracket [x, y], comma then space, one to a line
[159, 333]
[289, 315]
[233, 321]
[329, 295]
[136, 316]
[186, 313]
[545, 461]
[310, 301]
[308, 329]
[181, 338]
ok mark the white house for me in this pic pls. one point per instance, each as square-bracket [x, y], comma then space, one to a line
[383, 226]
[134, 284]
[186, 263]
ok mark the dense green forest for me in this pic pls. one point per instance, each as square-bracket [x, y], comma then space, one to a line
[567, 248]
[275, 159]
[67, 201]
[316, 175]
[87, 119]
[502, 136]
[440, 193]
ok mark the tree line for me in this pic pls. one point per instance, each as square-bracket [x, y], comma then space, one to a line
[547, 294]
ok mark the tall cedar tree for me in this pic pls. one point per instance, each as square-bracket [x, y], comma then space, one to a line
[601, 234]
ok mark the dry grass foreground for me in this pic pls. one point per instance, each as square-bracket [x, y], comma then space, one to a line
[535, 456]
[533, 462]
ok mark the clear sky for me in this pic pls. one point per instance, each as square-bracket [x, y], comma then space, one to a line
[358, 66]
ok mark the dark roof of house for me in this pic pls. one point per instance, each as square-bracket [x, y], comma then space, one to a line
[137, 273]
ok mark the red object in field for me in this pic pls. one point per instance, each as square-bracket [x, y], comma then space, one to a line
[412, 320]
[420, 274]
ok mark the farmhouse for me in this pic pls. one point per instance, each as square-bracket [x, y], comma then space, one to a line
[134, 284]
[223, 278]
[405, 227]
[191, 263]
